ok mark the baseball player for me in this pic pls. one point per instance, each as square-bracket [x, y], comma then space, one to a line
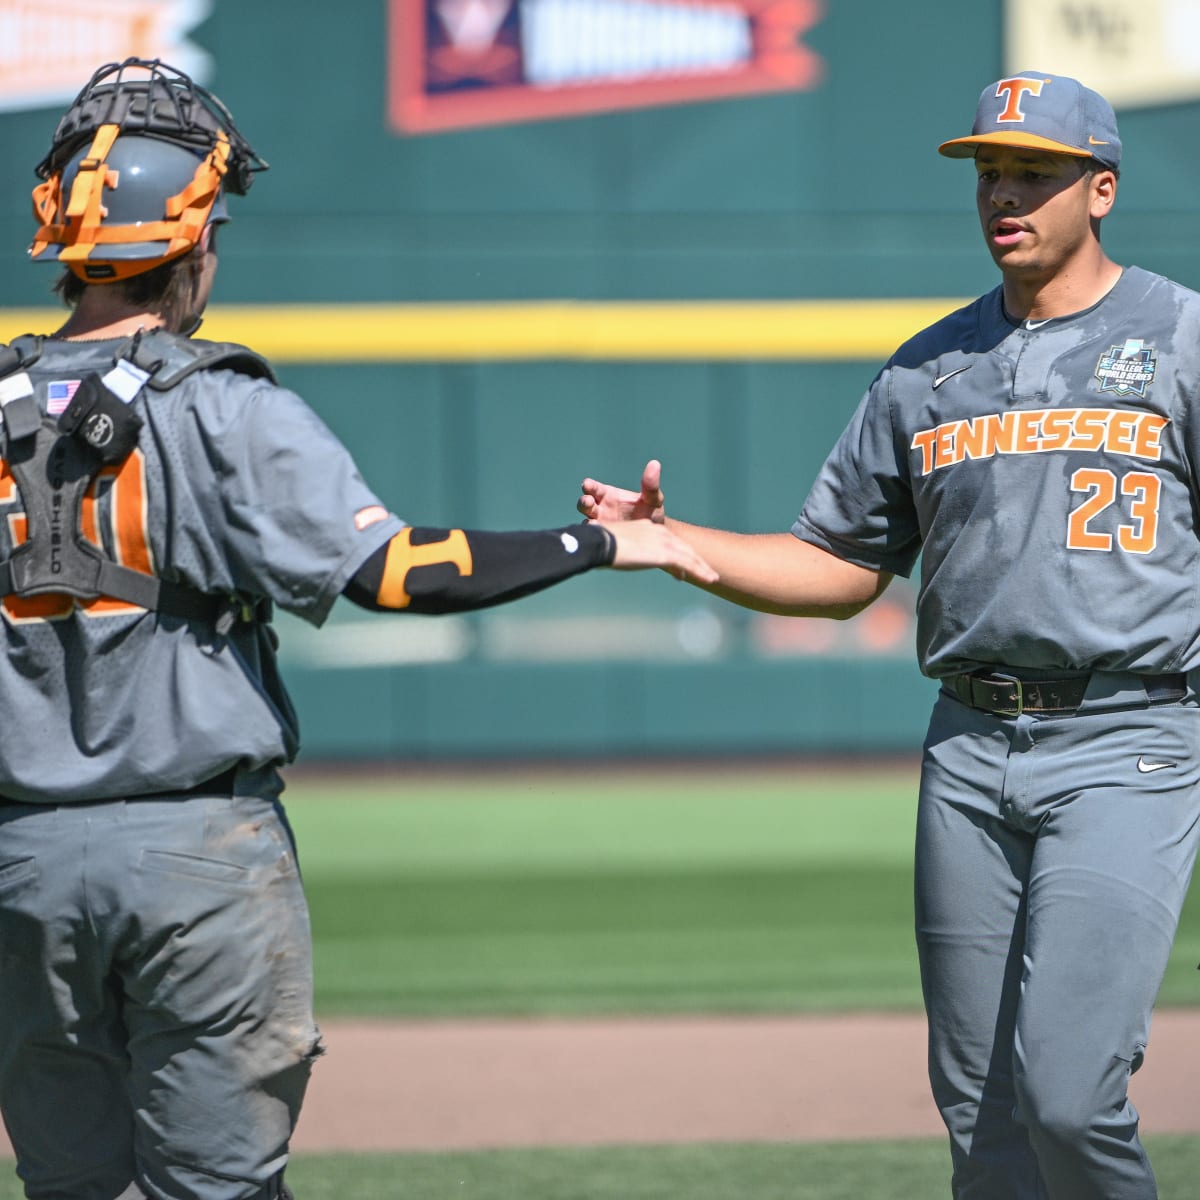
[1039, 450]
[160, 494]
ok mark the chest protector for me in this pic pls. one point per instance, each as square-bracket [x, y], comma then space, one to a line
[55, 462]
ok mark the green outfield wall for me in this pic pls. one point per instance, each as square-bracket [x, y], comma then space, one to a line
[487, 314]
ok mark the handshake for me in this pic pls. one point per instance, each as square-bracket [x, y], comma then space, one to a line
[637, 523]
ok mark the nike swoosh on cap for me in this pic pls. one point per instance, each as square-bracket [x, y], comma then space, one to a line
[937, 383]
[1146, 767]
[1095, 142]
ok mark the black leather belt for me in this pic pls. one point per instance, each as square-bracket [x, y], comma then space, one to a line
[1008, 695]
[217, 785]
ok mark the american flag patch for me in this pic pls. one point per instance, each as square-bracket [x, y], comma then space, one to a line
[59, 393]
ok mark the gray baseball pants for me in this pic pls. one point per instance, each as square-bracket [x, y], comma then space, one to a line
[156, 986]
[1053, 857]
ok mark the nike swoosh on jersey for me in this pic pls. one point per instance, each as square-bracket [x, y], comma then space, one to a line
[937, 383]
[1037, 324]
[1146, 767]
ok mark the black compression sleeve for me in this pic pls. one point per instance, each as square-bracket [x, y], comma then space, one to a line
[450, 570]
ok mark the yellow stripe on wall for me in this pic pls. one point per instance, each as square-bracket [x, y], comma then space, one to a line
[801, 330]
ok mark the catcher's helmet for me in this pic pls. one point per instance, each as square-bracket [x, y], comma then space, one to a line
[138, 166]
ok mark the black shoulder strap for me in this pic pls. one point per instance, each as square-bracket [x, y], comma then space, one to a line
[169, 358]
[19, 413]
[20, 353]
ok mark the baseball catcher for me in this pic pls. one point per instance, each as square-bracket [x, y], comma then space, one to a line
[162, 495]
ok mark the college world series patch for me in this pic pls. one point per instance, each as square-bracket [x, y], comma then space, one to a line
[1127, 370]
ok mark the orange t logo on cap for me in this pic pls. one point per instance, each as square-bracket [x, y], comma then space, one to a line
[1014, 90]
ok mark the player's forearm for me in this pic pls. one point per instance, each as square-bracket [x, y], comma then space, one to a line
[457, 570]
[778, 573]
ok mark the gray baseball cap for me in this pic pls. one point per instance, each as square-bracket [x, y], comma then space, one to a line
[1042, 112]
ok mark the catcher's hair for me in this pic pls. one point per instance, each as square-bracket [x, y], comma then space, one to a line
[167, 286]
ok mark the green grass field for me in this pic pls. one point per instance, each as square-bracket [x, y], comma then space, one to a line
[841, 1171]
[717, 891]
[629, 894]
[835, 1171]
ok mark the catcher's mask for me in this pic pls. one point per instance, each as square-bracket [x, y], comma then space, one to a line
[139, 165]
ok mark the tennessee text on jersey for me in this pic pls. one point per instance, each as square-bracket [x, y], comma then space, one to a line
[1038, 430]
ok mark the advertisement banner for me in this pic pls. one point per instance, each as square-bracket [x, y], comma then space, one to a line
[462, 63]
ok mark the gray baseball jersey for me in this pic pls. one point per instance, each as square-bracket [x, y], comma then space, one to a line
[1045, 471]
[236, 487]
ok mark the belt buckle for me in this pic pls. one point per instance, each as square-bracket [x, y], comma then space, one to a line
[1007, 712]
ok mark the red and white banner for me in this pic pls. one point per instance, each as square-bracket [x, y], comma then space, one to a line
[49, 48]
[461, 63]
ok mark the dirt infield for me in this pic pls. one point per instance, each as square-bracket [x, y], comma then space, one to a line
[491, 1084]
[477, 1084]
[437, 1085]
[457, 1085]
[585, 1082]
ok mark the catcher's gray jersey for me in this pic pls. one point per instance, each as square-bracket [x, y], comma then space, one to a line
[1045, 472]
[235, 487]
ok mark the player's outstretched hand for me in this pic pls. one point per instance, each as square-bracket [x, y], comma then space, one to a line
[644, 543]
[603, 502]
